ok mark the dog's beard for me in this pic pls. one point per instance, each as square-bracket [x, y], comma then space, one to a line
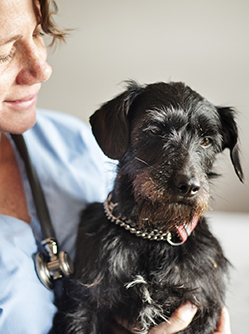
[156, 206]
[167, 215]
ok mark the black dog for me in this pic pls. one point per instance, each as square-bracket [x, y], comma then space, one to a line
[137, 260]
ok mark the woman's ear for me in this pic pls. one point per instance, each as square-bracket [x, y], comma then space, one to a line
[229, 133]
[110, 124]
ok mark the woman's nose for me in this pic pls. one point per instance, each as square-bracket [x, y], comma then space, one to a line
[34, 69]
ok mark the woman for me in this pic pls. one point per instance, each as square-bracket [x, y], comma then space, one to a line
[70, 166]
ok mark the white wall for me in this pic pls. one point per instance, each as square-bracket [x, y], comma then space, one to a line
[202, 43]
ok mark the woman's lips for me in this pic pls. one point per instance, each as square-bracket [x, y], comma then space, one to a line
[23, 103]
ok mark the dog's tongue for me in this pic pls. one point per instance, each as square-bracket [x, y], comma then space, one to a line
[186, 229]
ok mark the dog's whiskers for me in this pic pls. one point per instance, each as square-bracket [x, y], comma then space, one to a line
[144, 162]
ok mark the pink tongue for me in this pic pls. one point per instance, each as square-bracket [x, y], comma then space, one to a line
[186, 229]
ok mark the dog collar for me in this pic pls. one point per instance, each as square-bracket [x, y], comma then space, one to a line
[177, 238]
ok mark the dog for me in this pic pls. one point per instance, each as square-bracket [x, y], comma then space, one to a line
[148, 249]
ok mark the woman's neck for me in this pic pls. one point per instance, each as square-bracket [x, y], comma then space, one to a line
[12, 195]
[4, 147]
[2, 137]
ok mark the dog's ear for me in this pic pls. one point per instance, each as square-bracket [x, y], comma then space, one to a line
[110, 124]
[230, 137]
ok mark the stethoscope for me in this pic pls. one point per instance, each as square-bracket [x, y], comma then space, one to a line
[50, 263]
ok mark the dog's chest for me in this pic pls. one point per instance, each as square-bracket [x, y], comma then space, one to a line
[150, 270]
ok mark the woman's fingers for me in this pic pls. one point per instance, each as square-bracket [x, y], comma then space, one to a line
[224, 323]
[179, 320]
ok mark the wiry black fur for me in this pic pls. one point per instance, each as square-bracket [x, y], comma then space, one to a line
[166, 137]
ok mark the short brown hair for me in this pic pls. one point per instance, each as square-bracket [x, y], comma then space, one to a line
[48, 9]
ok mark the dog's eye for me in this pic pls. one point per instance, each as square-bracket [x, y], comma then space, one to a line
[206, 142]
[155, 130]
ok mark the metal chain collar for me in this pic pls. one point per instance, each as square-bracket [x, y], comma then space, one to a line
[128, 225]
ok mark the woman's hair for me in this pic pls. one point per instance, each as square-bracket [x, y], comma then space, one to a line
[48, 9]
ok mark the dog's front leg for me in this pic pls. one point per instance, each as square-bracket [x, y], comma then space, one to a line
[74, 314]
[83, 321]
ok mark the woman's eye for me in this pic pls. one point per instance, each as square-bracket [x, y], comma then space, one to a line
[38, 34]
[4, 59]
[206, 142]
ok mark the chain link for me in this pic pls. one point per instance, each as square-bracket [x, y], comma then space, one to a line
[155, 234]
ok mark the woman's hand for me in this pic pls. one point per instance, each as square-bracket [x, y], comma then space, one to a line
[183, 317]
[179, 320]
[224, 323]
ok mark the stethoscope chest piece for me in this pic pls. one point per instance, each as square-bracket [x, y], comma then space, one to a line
[52, 266]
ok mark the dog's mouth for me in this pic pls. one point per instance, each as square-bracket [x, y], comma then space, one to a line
[169, 216]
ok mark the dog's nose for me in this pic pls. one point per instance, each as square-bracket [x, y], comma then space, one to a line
[187, 186]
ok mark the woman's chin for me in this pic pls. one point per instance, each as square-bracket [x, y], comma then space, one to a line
[18, 123]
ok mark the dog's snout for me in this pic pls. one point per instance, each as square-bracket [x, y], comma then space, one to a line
[187, 186]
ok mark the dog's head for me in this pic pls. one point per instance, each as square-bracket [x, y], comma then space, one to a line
[166, 137]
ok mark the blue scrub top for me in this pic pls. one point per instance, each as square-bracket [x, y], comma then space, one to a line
[73, 172]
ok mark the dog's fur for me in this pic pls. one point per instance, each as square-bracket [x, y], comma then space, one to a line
[166, 137]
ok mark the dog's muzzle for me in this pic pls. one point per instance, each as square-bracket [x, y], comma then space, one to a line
[176, 238]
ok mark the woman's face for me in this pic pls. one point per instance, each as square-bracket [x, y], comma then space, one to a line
[23, 65]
